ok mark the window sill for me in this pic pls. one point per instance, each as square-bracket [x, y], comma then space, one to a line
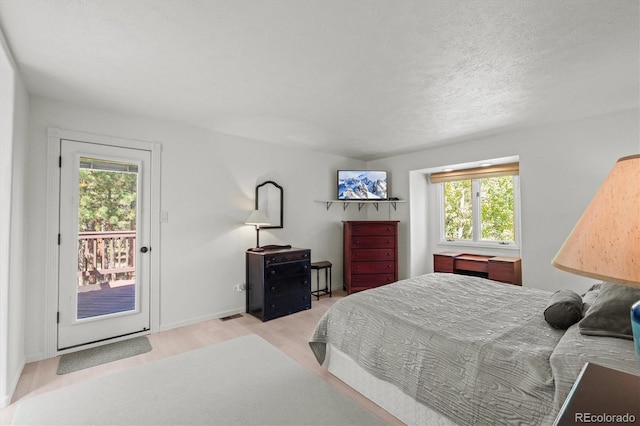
[483, 245]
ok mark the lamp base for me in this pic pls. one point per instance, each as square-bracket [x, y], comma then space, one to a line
[256, 249]
[635, 326]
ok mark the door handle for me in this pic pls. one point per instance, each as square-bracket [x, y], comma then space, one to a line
[145, 249]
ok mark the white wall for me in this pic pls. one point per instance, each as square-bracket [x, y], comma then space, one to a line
[14, 110]
[561, 168]
[208, 187]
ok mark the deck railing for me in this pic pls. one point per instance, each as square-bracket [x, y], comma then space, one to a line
[106, 256]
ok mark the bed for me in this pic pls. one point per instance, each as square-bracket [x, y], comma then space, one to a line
[454, 349]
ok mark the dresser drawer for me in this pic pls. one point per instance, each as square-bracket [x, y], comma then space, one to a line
[372, 267]
[287, 257]
[295, 284]
[373, 242]
[443, 263]
[374, 229]
[469, 265]
[507, 270]
[285, 305]
[372, 280]
[373, 254]
[283, 270]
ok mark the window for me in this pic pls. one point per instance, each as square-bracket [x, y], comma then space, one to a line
[480, 205]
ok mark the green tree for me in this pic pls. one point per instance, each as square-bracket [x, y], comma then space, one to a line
[458, 210]
[496, 205]
[107, 200]
[497, 209]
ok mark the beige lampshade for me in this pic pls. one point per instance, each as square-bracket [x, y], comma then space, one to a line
[605, 243]
[258, 218]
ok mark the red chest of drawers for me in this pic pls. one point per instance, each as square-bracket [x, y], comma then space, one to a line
[370, 254]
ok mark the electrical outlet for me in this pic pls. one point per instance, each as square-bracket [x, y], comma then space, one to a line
[239, 287]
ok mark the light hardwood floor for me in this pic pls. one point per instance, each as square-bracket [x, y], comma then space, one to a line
[290, 334]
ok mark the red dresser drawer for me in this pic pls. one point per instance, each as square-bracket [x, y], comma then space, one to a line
[443, 263]
[470, 265]
[373, 254]
[372, 267]
[505, 269]
[374, 229]
[372, 280]
[373, 242]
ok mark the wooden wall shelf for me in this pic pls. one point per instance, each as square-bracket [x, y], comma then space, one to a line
[360, 203]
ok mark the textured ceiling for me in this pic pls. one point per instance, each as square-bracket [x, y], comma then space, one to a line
[359, 78]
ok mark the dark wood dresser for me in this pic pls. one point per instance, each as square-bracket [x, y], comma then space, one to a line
[370, 254]
[278, 282]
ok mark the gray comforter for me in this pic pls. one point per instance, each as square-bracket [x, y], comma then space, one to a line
[474, 350]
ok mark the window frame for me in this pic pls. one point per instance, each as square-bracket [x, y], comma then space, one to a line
[477, 219]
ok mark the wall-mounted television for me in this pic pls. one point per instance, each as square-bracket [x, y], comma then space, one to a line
[362, 185]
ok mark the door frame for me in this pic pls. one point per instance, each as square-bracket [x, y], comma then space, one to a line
[54, 137]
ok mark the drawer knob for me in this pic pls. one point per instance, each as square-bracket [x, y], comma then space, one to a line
[273, 272]
[272, 306]
[273, 288]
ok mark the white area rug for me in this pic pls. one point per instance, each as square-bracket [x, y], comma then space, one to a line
[244, 381]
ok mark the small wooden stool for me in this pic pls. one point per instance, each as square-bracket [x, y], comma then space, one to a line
[327, 278]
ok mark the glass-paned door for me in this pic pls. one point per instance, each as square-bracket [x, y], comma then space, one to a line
[104, 227]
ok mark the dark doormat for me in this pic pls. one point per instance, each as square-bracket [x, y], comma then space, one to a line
[102, 354]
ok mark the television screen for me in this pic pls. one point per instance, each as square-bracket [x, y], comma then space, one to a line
[362, 185]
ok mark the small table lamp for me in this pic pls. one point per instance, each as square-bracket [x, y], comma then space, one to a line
[605, 243]
[258, 218]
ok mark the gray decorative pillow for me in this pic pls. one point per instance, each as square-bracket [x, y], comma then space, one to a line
[564, 309]
[590, 296]
[610, 314]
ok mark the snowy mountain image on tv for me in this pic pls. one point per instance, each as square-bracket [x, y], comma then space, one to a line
[362, 185]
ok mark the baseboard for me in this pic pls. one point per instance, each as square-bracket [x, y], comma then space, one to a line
[34, 357]
[5, 400]
[191, 321]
